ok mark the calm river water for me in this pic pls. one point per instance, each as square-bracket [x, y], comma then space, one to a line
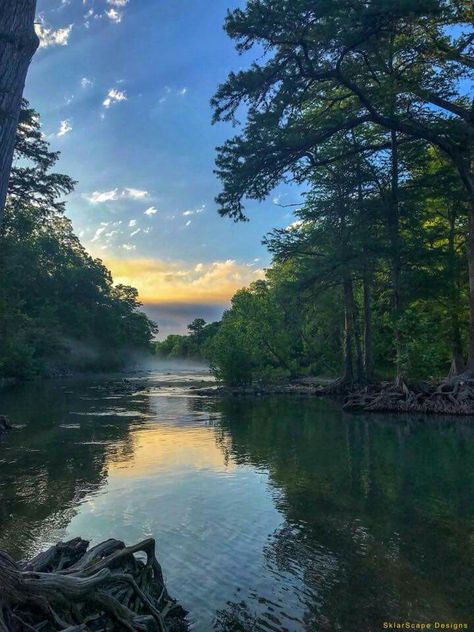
[270, 515]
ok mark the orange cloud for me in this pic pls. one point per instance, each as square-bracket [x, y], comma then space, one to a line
[161, 281]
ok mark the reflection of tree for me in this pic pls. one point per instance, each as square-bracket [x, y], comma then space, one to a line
[376, 512]
[48, 467]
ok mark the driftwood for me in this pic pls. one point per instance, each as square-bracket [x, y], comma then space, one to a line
[452, 397]
[73, 588]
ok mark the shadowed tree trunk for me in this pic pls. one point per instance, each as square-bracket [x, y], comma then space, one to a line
[457, 364]
[18, 43]
[368, 345]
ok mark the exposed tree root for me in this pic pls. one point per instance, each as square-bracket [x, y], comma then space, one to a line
[452, 397]
[4, 424]
[73, 588]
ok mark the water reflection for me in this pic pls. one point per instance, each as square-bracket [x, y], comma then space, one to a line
[270, 515]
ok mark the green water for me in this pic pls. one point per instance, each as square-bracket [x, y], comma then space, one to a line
[278, 514]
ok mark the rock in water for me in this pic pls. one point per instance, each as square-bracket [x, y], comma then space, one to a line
[72, 587]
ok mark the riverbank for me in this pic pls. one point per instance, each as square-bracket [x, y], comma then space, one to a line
[454, 397]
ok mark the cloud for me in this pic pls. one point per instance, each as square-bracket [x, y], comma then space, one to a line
[98, 197]
[117, 3]
[135, 194]
[132, 223]
[64, 128]
[161, 282]
[182, 92]
[52, 37]
[128, 247]
[195, 211]
[113, 96]
[188, 223]
[98, 233]
[135, 232]
[114, 16]
[151, 211]
[86, 82]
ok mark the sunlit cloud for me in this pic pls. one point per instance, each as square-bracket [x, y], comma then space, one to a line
[52, 37]
[160, 281]
[151, 211]
[114, 16]
[113, 96]
[64, 128]
[132, 223]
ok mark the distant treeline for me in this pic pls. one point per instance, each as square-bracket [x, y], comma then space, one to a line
[59, 309]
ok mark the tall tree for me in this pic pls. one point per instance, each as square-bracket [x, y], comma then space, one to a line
[18, 43]
[343, 64]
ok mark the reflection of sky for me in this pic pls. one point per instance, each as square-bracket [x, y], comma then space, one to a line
[123, 92]
[213, 519]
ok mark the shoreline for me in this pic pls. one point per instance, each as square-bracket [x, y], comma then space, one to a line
[441, 398]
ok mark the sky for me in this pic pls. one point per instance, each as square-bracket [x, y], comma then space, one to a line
[123, 90]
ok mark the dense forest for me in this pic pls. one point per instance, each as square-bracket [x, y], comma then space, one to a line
[368, 108]
[59, 309]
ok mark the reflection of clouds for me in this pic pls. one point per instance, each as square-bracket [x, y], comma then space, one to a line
[168, 449]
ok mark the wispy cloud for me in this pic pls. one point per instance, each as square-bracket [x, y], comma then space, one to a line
[99, 197]
[52, 37]
[135, 194]
[117, 3]
[196, 211]
[64, 128]
[86, 82]
[151, 211]
[114, 96]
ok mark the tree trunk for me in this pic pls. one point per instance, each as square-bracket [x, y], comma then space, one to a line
[348, 376]
[393, 223]
[359, 363]
[368, 343]
[457, 360]
[18, 43]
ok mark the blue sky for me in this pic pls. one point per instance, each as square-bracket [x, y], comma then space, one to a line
[123, 90]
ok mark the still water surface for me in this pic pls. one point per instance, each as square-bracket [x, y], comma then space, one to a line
[270, 515]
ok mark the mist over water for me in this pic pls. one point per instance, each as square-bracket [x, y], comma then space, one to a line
[272, 515]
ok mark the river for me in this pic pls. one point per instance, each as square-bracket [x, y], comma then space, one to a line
[275, 514]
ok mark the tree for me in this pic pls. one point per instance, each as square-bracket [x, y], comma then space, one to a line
[18, 43]
[341, 65]
[58, 305]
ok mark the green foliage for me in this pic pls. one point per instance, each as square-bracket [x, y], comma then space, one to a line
[58, 306]
[194, 346]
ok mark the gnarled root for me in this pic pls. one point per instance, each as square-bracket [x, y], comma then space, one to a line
[452, 397]
[73, 588]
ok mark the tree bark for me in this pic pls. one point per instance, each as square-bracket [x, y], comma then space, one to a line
[348, 375]
[457, 360]
[368, 342]
[393, 223]
[18, 43]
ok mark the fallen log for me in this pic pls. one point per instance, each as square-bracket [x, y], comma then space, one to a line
[73, 588]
